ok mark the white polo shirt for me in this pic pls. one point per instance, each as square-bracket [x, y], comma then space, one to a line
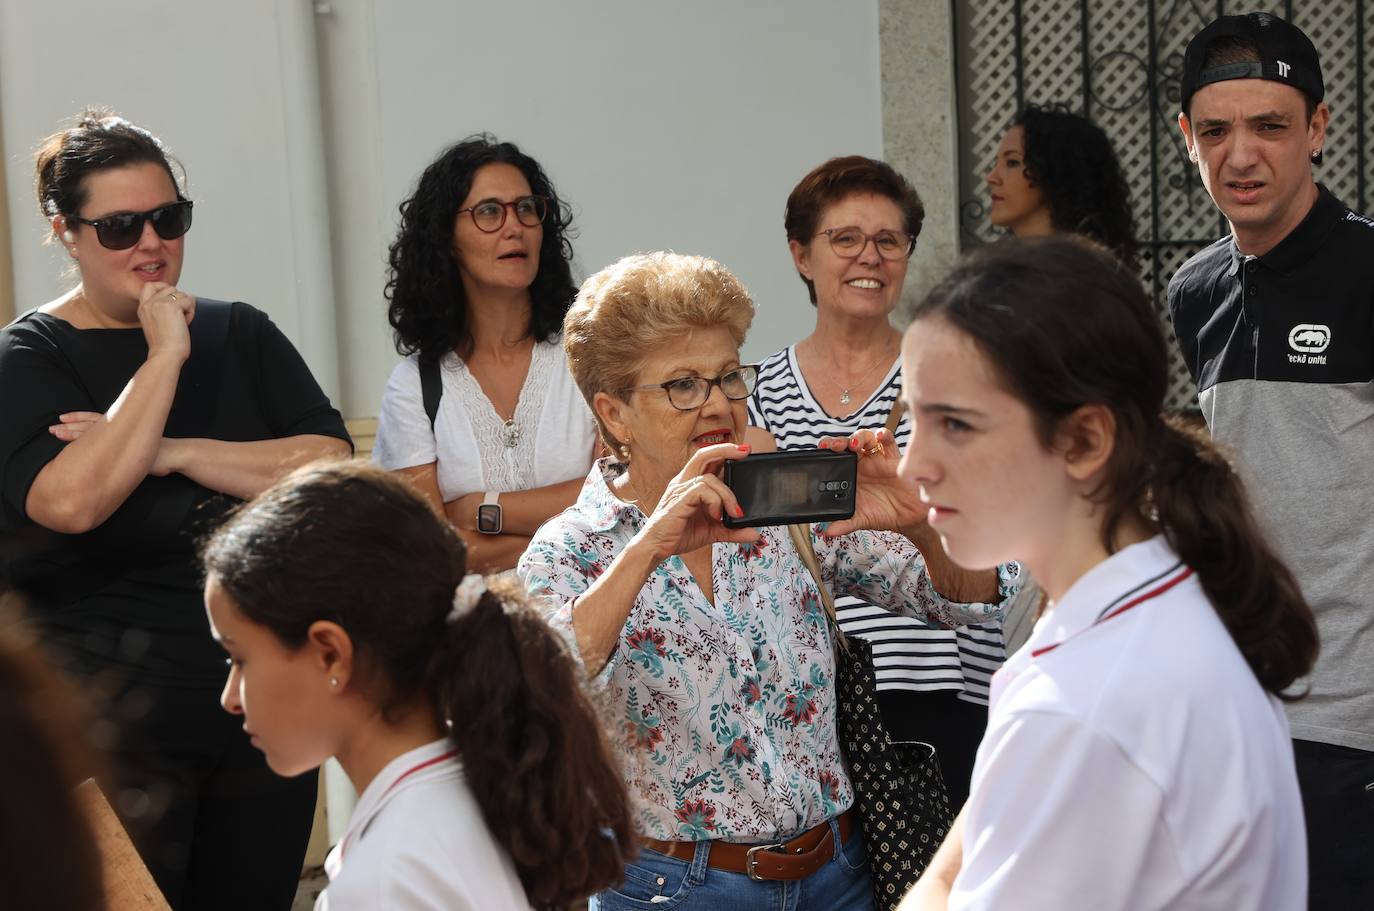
[417, 842]
[1132, 760]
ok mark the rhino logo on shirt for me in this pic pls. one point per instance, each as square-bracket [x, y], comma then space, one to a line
[1308, 338]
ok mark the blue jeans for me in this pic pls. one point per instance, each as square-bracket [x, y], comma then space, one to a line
[655, 882]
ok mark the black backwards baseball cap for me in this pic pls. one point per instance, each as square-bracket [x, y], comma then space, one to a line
[1286, 55]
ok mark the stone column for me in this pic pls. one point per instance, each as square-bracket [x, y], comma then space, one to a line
[916, 41]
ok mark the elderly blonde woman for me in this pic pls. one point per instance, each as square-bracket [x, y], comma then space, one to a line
[708, 646]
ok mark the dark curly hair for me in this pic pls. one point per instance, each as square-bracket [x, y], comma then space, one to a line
[428, 307]
[311, 548]
[1070, 158]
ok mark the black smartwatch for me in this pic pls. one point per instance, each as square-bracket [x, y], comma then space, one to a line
[489, 514]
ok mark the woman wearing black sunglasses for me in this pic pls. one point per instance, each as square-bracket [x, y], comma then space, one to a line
[482, 415]
[136, 414]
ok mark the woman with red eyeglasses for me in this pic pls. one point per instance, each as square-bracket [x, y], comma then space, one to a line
[135, 415]
[482, 416]
[852, 224]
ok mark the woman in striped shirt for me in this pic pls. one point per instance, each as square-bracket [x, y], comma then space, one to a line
[852, 225]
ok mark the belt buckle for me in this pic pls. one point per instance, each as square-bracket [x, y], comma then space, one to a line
[751, 862]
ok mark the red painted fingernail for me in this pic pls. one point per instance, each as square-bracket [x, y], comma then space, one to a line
[739, 511]
[743, 447]
[853, 444]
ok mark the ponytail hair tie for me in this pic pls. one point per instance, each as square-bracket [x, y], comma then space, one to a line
[466, 596]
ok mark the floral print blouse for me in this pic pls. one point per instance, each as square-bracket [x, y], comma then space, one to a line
[723, 716]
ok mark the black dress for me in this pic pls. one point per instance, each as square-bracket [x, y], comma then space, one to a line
[123, 606]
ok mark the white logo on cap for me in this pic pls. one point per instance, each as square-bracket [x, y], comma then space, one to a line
[1283, 69]
[1309, 338]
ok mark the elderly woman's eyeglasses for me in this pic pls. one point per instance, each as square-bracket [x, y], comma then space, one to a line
[688, 393]
[490, 214]
[848, 242]
[122, 231]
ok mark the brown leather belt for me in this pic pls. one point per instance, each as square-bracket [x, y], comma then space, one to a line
[789, 860]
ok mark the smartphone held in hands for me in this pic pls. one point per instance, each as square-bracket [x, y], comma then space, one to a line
[797, 486]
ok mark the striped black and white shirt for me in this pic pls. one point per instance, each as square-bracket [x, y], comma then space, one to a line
[907, 654]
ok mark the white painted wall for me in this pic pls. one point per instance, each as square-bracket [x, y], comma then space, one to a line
[231, 88]
[666, 124]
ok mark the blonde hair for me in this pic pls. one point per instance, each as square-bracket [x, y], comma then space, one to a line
[636, 306]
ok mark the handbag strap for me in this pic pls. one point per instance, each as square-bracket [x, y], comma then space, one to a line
[894, 416]
[801, 539]
[806, 549]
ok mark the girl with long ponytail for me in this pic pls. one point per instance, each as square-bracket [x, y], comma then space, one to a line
[1137, 755]
[353, 630]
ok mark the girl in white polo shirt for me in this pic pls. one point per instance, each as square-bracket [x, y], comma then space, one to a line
[1137, 755]
[353, 631]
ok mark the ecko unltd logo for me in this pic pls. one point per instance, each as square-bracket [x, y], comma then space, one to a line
[1309, 338]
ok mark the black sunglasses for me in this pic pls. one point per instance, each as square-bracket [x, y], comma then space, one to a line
[122, 231]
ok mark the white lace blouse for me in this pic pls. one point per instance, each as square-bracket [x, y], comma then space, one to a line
[469, 441]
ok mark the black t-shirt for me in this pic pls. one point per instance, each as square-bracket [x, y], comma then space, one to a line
[128, 593]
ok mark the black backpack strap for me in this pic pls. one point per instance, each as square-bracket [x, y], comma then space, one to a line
[431, 388]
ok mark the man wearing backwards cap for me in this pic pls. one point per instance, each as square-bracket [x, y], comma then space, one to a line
[1276, 324]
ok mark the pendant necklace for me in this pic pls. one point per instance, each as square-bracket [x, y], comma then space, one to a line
[510, 433]
[845, 397]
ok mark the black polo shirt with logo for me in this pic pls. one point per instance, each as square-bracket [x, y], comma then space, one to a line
[1281, 348]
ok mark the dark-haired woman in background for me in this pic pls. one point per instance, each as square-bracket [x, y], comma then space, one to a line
[480, 281]
[1137, 754]
[1056, 172]
[134, 415]
[456, 712]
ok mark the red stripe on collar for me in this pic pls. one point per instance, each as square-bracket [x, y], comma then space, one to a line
[343, 845]
[1155, 592]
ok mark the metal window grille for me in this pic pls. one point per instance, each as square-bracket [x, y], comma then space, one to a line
[1119, 63]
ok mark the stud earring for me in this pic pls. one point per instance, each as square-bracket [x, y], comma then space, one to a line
[333, 681]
